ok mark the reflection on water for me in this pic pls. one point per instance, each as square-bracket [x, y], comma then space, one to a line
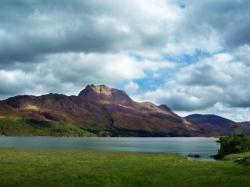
[205, 147]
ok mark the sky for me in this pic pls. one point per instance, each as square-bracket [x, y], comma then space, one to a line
[191, 55]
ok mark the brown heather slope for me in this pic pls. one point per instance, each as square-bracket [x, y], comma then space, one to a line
[245, 126]
[213, 125]
[106, 112]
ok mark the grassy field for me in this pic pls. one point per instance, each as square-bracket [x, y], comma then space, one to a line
[80, 168]
[237, 156]
[16, 126]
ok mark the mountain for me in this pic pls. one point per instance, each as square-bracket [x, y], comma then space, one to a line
[214, 125]
[245, 126]
[99, 111]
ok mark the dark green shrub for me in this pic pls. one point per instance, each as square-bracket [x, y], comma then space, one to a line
[233, 144]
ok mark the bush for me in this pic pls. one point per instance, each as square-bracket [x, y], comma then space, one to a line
[232, 145]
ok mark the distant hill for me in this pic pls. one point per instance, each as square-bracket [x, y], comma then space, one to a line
[213, 124]
[245, 126]
[101, 111]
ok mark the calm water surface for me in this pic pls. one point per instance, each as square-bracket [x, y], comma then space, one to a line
[205, 147]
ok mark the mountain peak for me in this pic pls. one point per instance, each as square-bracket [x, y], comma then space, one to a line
[99, 89]
[103, 93]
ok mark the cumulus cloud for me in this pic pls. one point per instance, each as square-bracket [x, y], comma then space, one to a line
[82, 26]
[70, 72]
[31, 29]
[131, 87]
[230, 18]
[211, 26]
[220, 79]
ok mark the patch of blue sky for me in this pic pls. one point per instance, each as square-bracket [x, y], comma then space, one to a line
[154, 80]
[137, 57]
[187, 59]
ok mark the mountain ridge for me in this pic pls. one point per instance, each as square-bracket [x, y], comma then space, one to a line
[103, 111]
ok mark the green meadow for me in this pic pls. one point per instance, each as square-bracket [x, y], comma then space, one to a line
[82, 168]
[17, 126]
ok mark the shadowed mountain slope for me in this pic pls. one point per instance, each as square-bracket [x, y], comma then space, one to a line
[214, 125]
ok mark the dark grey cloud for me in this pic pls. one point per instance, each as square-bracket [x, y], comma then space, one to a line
[46, 28]
[230, 18]
[186, 102]
[204, 75]
[30, 29]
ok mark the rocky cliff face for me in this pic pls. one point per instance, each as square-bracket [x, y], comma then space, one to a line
[108, 112]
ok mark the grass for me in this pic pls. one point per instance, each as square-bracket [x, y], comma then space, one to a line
[16, 126]
[241, 158]
[81, 168]
[237, 156]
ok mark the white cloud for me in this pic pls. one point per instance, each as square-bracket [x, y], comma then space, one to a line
[131, 87]
[219, 80]
[69, 72]
[106, 68]
[238, 114]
